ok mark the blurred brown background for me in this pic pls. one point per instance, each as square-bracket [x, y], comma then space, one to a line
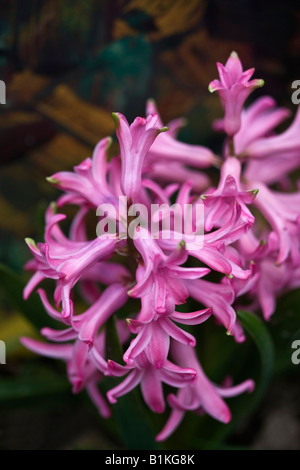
[68, 64]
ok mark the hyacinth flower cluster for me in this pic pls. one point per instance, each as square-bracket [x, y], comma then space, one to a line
[249, 236]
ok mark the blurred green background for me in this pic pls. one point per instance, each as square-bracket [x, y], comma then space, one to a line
[67, 65]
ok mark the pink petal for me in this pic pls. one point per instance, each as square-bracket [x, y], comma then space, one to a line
[246, 386]
[49, 350]
[170, 426]
[97, 399]
[158, 347]
[152, 391]
[177, 333]
[128, 384]
[193, 318]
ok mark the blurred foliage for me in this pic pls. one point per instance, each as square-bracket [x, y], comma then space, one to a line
[68, 65]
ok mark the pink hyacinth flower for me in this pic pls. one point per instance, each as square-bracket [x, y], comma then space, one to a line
[66, 268]
[168, 172]
[142, 372]
[213, 251]
[154, 336]
[272, 157]
[135, 140]
[258, 120]
[285, 143]
[88, 182]
[220, 201]
[281, 210]
[233, 88]
[167, 147]
[163, 274]
[269, 280]
[200, 395]
[220, 297]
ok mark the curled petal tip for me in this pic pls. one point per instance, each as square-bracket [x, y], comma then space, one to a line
[181, 244]
[159, 408]
[234, 55]
[251, 386]
[109, 141]
[259, 82]
[116, 118]
[110, 397]
[226, 417]
[53, 207]
[127, 360]
[211, 87]
[31, 243]
[52, 180]
[254, 191]
[162, 129]
[25, 295]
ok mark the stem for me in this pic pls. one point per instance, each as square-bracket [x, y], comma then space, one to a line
[132, 253]
[231, 147]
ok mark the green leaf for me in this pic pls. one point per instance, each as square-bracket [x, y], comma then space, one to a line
[134, 423]
[113, 345]
[258, 331]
